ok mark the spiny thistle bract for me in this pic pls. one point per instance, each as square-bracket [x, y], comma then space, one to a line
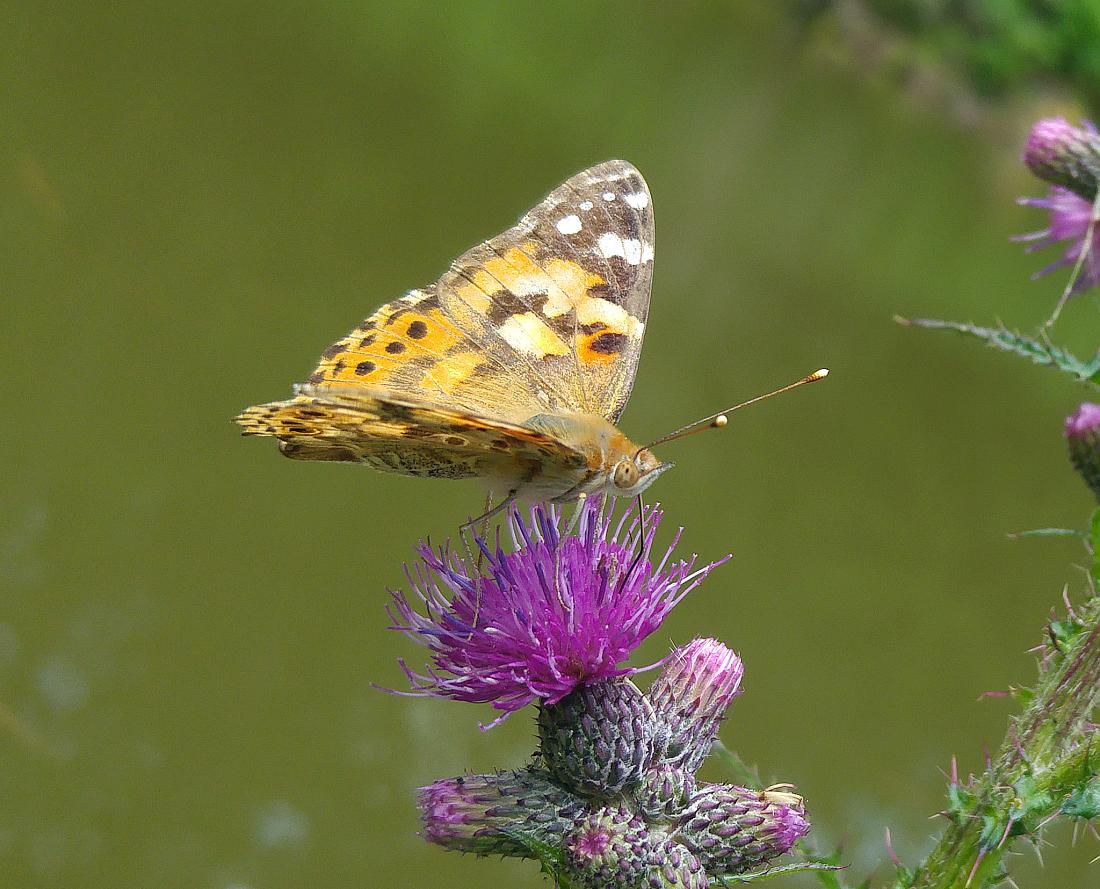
[610, 800]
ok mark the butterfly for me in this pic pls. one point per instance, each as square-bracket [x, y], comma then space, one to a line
[514, 367]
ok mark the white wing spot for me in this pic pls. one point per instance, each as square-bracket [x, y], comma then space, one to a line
[638, 201]
[608, 195]
[585, 205]
[631, 250]
[569, 225]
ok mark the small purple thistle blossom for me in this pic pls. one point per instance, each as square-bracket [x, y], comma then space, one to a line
[1083, 421]
[536, 623]
[1082, 432]
[691, 695]
[1070, 217]
[1068, 157]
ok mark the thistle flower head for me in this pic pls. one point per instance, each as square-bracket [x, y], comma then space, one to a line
[690, 697]
[734, 828]
[1070, 219]
[598, 740]
[1083, 438]
[554, 613]
[614, 849]
[1068, 157]
[1064, 155]
[504, 813]
[1083, 422]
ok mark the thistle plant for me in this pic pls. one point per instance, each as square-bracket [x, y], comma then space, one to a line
[1048, 766]
[611, 797]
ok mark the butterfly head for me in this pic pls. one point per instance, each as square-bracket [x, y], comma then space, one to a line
[633, 474]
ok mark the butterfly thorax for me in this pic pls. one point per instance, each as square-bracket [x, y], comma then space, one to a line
[613, 463]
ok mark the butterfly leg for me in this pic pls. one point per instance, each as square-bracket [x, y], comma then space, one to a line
[577, 510]
[464, 531]
[509, 499]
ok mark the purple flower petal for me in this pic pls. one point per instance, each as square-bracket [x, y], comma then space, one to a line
[1070, 215]
[552, 614]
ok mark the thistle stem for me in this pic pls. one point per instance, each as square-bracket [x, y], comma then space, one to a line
[1048, 759]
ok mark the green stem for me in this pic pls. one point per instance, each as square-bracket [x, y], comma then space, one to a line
[1046, 766]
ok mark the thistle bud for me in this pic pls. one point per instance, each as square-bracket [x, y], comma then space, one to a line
[1083, 438]
[614, 849]
[663, 792]
[599, 739]
[732, 829]
[1065, 155]
[690, 697]
[494, 814]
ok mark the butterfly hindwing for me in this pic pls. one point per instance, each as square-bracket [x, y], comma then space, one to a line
[359, 425]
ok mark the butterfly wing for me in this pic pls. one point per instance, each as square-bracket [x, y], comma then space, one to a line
[546, 318]
[399, 435]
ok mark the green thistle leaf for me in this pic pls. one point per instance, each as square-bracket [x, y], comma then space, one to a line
[1038, 352]
[1048, 532]
[740, 771]
[798, 867]
[1084, 802]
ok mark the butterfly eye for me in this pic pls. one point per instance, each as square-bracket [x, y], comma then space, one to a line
[626, 474]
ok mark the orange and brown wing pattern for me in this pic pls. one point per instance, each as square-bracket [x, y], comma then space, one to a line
[397, 435]
[546, 318]
[566, 291]
[412, 347]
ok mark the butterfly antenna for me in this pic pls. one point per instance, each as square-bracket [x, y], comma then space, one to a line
[719, 419]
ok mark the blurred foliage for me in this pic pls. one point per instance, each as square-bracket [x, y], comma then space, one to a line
[998, 47]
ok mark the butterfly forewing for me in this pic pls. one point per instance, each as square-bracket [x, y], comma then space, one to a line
[595, 237]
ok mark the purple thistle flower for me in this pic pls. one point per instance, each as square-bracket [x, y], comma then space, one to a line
[1070, 215]
[1083, 438]
[690, 696]
[1068, 157]
[733, 828]
[1084, 421]
[1064, 155]
[498, 814]
[536, 623]
[615, 849]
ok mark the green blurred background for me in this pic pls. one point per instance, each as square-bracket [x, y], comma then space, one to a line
[197, 198]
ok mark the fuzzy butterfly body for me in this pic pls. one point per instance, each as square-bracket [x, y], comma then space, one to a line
[513, 367]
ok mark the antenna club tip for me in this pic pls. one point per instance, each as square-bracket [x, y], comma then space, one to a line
[820, 374]
[720, 421]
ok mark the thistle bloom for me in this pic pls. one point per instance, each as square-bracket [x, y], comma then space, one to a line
[691, 697]
[1070, 216]
[611, 798]
[1069, 158]
[556, 613]
[1064, 155]
[1083, 438]
[495, 814]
